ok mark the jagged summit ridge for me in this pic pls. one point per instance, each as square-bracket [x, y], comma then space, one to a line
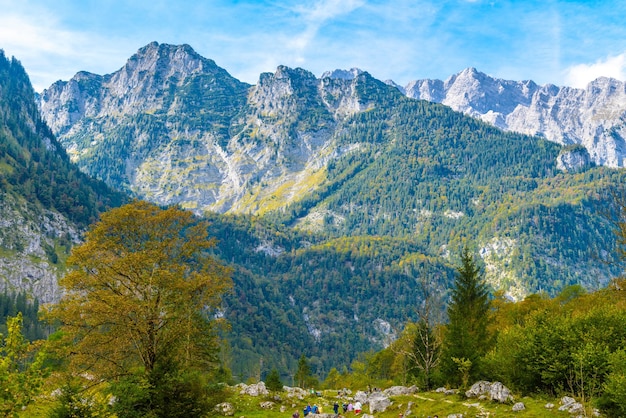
[350, 74]
[140, 85]
[185, 132]
[593, 117]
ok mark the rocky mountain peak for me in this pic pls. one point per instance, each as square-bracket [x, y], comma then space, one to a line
[285, 84]
[143, 84]
[156, 66]
[350, 74]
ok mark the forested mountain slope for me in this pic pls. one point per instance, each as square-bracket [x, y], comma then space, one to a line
[45, 201]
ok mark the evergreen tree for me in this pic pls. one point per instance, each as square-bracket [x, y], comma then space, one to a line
[272, 381]
[466, 336]
[303, 373]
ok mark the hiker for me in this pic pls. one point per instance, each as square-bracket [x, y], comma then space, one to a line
[336, 408]
[296, 415]
[345, 407]
[315, 410]
[357, 407]
[307, 410]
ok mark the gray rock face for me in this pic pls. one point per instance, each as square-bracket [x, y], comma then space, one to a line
[593, 117]
[573, 160]
[25, 233]
[350, 74]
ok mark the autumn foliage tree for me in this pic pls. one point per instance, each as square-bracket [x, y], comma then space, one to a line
[139, 297]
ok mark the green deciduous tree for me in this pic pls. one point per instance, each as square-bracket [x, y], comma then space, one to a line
[138, 300]
[21, 369]
[466, 336]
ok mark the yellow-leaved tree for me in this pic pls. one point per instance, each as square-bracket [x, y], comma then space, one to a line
[138, 307]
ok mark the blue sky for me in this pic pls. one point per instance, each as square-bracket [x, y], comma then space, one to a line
[564, 42]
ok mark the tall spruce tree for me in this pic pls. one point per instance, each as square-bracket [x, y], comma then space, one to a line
[303, 373]
[466, 336]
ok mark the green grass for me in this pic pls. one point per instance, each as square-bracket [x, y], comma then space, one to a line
[424, 404]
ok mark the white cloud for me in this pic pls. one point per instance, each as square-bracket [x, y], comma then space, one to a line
[314, 17]
[329, 9]
[49, 52]
[582, 74]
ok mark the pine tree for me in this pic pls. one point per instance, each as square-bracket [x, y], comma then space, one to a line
[272, 381]
[466, 336]
[303, 373]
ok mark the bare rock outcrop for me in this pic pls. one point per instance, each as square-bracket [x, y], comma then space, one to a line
[495, 391]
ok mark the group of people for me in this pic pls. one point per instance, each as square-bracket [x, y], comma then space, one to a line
[356, 407]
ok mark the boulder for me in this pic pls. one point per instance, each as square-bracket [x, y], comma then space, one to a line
[361, 396]
[571, 406]
[446, 391]
[400, 390]
[500, 393]
[549, 406]
[478, 388]
[495, 391]
[253, 390]
[267, 405]
[378, 402]
[295, 392]
[408, 411]
[226, 409]
[519, 406]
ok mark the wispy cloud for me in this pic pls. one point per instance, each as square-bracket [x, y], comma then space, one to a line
[313, 17]
[49, 51]
[580, 75]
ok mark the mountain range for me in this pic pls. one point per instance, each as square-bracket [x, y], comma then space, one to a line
[594, 117]
[342, 202]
